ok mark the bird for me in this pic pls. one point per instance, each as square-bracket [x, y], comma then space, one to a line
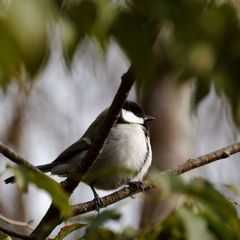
[124, 160]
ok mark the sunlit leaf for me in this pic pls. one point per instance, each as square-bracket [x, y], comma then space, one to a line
[24, 34]
[66, 230]
[195, 226]
[95, 229]
[233, 188]
[4, 236]
[204, 209]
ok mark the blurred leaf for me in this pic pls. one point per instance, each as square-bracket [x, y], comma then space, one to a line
[105, 19]
[128, 234]
[66, 230]
[204, 213]
[9, 58]
[95, 229]
[204, 193]
[195, 226]
[233, 188]
[69, 38]
[42, 181]
[172, 184]
[215, 207]
[27, 18]
[129, 32]
[202, 88]
[23, 38]
[83, 15]
[4, 236]
[203, 43]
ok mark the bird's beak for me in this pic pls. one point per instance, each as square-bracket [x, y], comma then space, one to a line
[148, 118]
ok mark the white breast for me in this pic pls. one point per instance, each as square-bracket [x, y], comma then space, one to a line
[126, 157]
[130, 148]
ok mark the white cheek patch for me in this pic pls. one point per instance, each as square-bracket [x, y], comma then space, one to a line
[130, 117]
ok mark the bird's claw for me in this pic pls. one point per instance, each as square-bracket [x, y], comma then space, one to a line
[138, 184]
[98, 202]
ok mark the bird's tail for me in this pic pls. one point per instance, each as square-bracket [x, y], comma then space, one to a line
[9, 180]
[44, 168]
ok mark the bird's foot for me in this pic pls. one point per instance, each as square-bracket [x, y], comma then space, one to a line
[98, 201]
[138, 184]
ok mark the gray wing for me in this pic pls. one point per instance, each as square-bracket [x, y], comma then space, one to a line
[66, 155]
[76, 148]
[72, 150]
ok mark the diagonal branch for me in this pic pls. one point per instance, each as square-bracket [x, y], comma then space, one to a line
[17, 223]
[129, 191]
[189, 165]
[100, 140]
[14, 234]
[53, 216]
[11, 155]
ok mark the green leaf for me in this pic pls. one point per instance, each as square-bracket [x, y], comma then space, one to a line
[42, 181]
[204, 212]
[27, 18]
[129, 234]
[4, 236]
[9, 58]
[95, 231]
[194, 225]
[24, 38]
[133, 38]
[66, 230]
[202, 88]
[83, 15]
[204, 192]
[215, 207]
[233, 188]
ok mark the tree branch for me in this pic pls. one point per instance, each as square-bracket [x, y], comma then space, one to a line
[129, 191]
[14, 234]
[205, 159]
[17, 223]
[191, 164]
[97, 145]
[11, 155]
[53, 216]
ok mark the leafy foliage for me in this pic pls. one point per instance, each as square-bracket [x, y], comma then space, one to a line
[204, 213]
[95, 229]
[42, 181]
[23, 41]
[203, 40]
[199, 211]
[4, 236]
[66, 230]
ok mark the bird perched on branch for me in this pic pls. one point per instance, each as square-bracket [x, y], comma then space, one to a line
[125, 158]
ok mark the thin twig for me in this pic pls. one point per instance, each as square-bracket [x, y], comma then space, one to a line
[223, 153]
[18, 223]
[11, 155]
[234, 202]
[191, 164]
[15, 234]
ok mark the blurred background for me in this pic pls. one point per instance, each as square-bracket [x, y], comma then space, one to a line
[61, 64]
